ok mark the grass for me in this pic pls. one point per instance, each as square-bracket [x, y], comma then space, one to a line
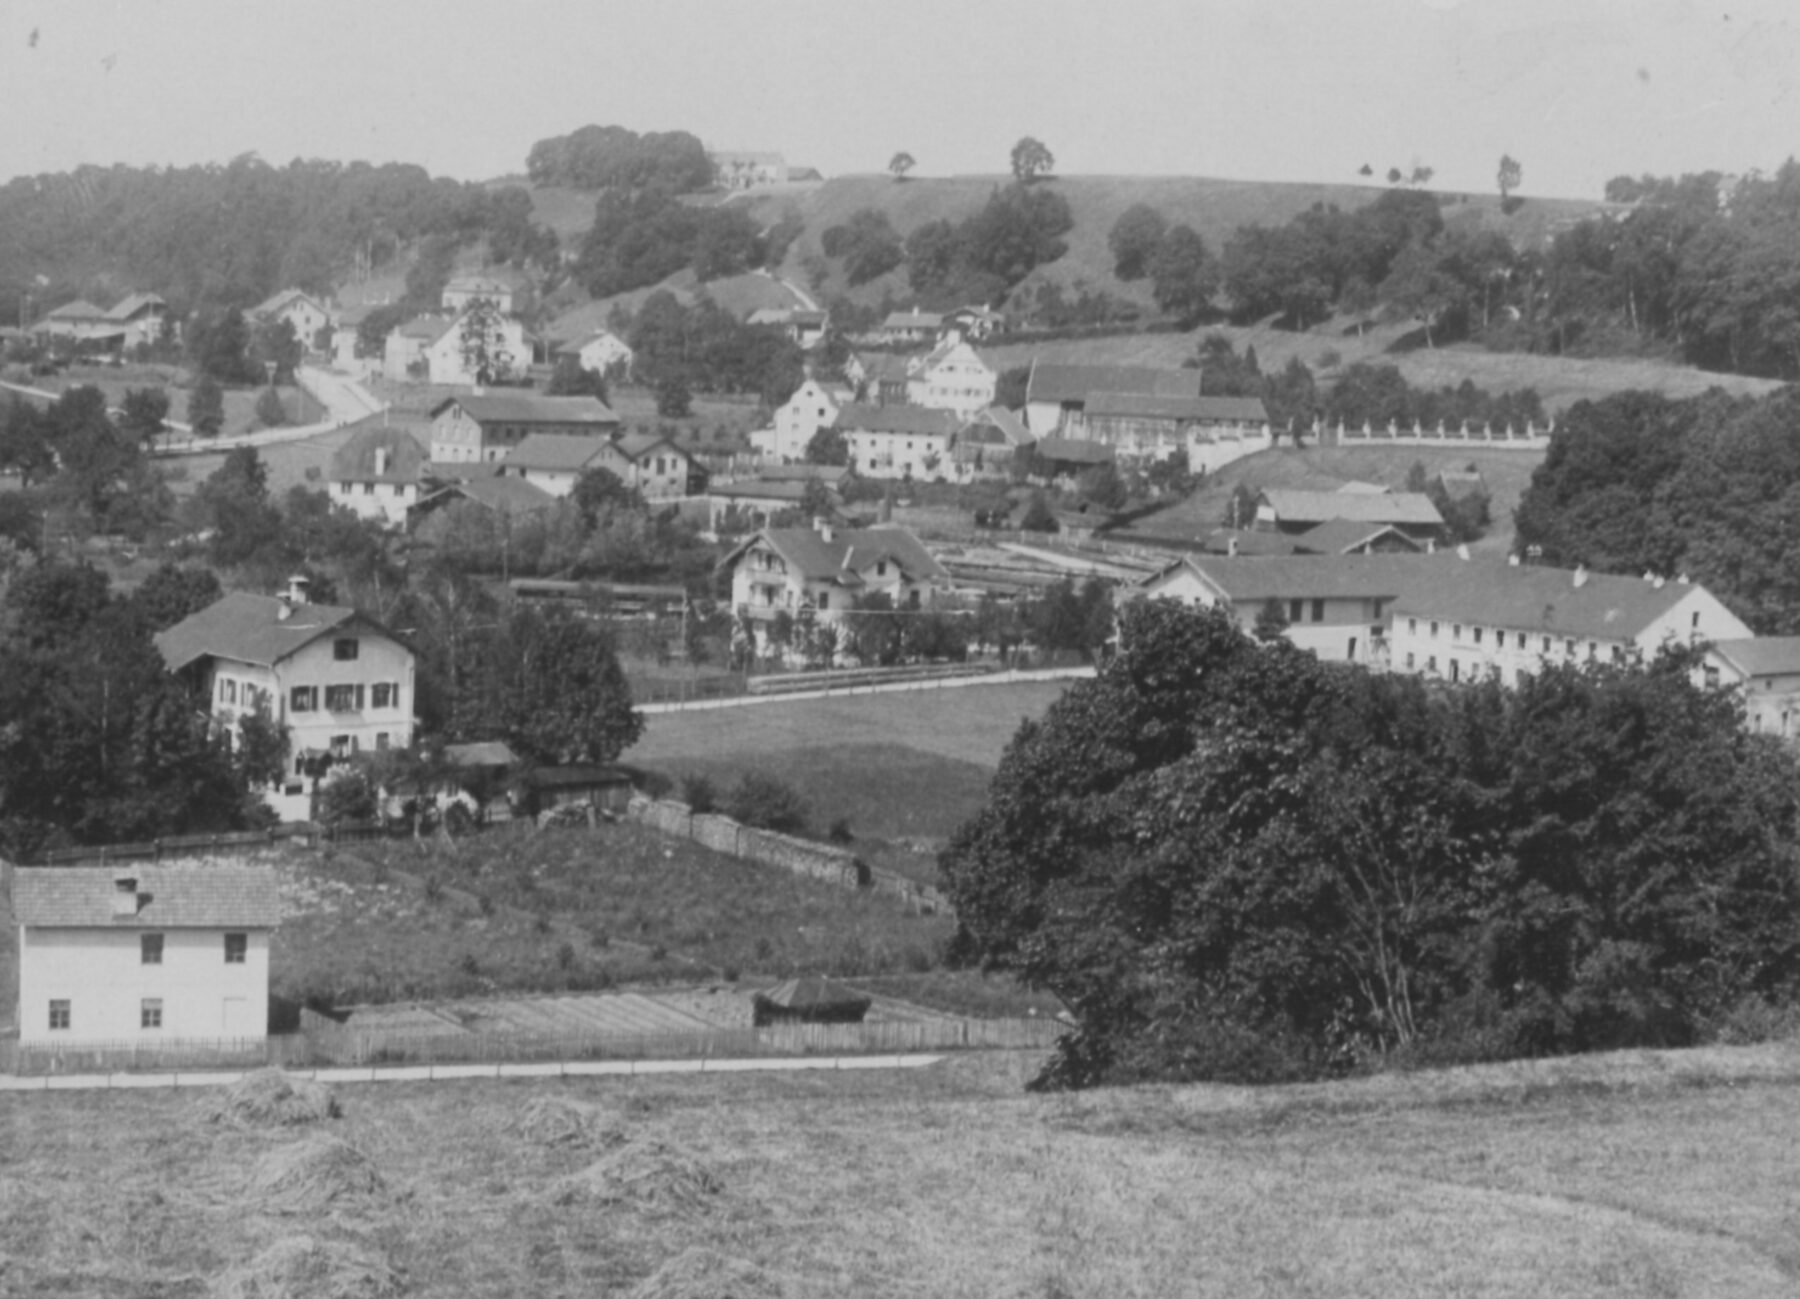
[630, 904]
[288, 463]
[1651, 1175]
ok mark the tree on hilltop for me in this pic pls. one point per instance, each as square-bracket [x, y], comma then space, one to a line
[900, 164]
[1030, 159]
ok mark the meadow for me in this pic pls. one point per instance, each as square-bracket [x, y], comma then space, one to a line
[1646, 1174]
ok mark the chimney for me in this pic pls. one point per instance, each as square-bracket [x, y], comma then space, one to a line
[381, 461]
[1581, 576]
[296, 589]
[125, 895]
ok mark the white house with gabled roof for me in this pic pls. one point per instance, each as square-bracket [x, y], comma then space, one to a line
[810, 409]
[820, 572]
[1765, 671]
[953, 377]
[144, 954]
[376, 474]
[339, 681]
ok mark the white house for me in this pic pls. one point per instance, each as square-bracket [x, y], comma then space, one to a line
[1057, 394]
[1293, 511]
[1766, 672]
[819, 572]
[335, 678]
[556, 461]
[810, 409]
[952, 377]
[603, 352]
[913, 326]
[465, 289]
[1466, 619]
[450, 358]
[897, 441]
[376, 474]
[484, 426]
[653, 464]
[300, 309]
[144, 954]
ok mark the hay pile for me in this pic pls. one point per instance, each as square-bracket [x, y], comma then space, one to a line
[644, 1174]
[559, 1121]
[270, 1098]
[312, 1176]
[701, 1273]
[300, 1267]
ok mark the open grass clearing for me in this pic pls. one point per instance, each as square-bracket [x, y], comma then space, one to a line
[1651, 1175]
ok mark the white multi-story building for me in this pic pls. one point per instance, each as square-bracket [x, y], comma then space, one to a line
[897, 441]
[145, 954]
[952, 377]
[335, 678]
[484, 427]
[819, 572]
[1766, 672]
[810, 409]
[376, 474]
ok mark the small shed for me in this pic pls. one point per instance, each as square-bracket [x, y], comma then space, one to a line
[606, 789]
[809, 1000]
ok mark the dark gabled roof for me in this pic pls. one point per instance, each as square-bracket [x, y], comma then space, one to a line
[355, 461]
[1291, 506]
[1524, 598]
[563, 452]
[1762, 656]
[884, 367]
[849, 551]
[1051, 381]
[169, 897]
[812, 993]
[508, 495]
[1007, 423]
[275, 302]
[133, 303]
[1341, 536]
[1075, 451]
[1220, 542]
[80, 309]
[1141, 405]
[635, 446]
[1295, 577]
[527, 408]
[249, 628]
[430, 328]
[861, 418]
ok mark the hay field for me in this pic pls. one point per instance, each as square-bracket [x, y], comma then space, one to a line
[1644, 1175]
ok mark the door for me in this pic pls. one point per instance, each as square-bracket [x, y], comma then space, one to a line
[237, 1017]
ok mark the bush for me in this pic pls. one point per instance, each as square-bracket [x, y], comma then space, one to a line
[840, 831]
[270, 412]
[347, 796]
[699, 793]
[767, 804]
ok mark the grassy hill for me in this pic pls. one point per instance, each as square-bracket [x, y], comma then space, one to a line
[1667, 1173]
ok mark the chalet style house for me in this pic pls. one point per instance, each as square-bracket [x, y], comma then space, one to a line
[819, 572]
[486, 426]
[305, 313]
[144, 954]
[952, 377]
[339, 681]
[376, 474]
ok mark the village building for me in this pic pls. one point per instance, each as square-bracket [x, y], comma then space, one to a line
[1348, 537]
[145, 954]
[802, 326]
[798, 420]
[346, 334]
[910, 327]
[1765, 670]
[880, 378]
[986, 445]
[1211, 431]
[555, 462]
[376, 474]
[485, 426]
[897, 441]
[741, 169]
[300, 309]
[952, 377]
[602, 351]
[1292, 511]
[440, 349]
[464, 290]
[338, 680]
[820, 572]
[976, 323]
[511, 497]
[137, 319]
[1057, 395]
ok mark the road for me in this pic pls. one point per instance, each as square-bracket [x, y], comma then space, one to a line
[345, 400]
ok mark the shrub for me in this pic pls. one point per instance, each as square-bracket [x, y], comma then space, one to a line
[347, 796]
[767, 804]
[699, 793]
[840, 831]
[270, 412]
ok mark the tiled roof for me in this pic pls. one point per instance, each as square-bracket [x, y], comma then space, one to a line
[850, 550]
[169, 897]
[270, 305]
[132, 304]
[248, 628]
[1225, 410]
[1007, 423]
[429, 328]
[556, 451]
[635, 446]
[884, 367]
[509, 495]
[528, 408]
[1293, 577]
[480, 753]
[1321, 507]
[1762, 656]
[913, 320]
[858, 417]
[1340, 536]
[354, 462]
[1075, 451]
[814, 993]
[1220, 541]
[80, 309]
[1069, 383]
[1525, 598]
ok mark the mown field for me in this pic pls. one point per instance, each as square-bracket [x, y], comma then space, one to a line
[1671, 1174]
[903, 765]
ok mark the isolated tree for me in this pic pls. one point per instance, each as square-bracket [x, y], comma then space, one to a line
[900, 164]
[571, 379]
[1421, 176]
[1365, 170]
[145, 413]
[1511, 173]
[673, 397]
[1271, 621]
[270, 413]
[1030, 159]
[1038, 517]
[1134, 239]
[1395, 176]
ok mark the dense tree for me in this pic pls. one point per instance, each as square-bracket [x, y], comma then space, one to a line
[270, 410]
[1232, 861]
[206, 407]
[570, 379]
[1134, 239]
[1030, 159]
[25, 442]
[220, 348]
[1183, 274]
[606, 157]
[900, 164]
[144, 415]
[868, 243]
[727, 241]
[276, 350]
[483, 344]
[1508, 178]
[1010, 387]
[673, 397]
[172, 592]
[827, 447]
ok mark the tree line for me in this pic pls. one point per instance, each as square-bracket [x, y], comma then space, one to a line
[1234, 862]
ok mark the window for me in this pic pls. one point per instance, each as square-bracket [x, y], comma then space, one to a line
[881, 568]
[221, 689]
[1569, 648]
[1478, 635]
[236, 946]
[1546, 644]
[1521, 640]
[1434, 631]
[304, 699]
[1455, 670]
[1295, 609]
[368, 489]
[1409, 661]
[824, 600]
[381, 741]
[1431, 664]
[150, 1013]
[343, 699]
[1318, 611]
[1456, 632]
[385, 694]
[344, 650]
[150, 949]
[59, 1014]
[1695, 620]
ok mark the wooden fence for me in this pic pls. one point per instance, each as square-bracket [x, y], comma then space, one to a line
[344, 1046]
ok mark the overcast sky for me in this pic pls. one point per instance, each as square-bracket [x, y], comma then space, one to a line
[1576, 90]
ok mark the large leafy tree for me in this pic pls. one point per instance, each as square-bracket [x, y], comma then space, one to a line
[1134, 239]
[1031, 158]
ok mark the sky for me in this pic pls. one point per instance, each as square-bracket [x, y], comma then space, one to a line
[1577, 91]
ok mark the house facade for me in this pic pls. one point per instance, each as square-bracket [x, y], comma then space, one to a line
[1765, 670]
[339, 681]
[810, 409]
[985, 446]
[301, 310]
[1145, 427]
[376, 474]
[654, 465]
[147, 954]
[1296, 512]
[1057, 395]
[739, 169]
[897, 441]
[451, 358]
[603, 352]
[910, 327]
[485, 426]
[820, 572]
[952, 377]
[463, 290]
[554, 462]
